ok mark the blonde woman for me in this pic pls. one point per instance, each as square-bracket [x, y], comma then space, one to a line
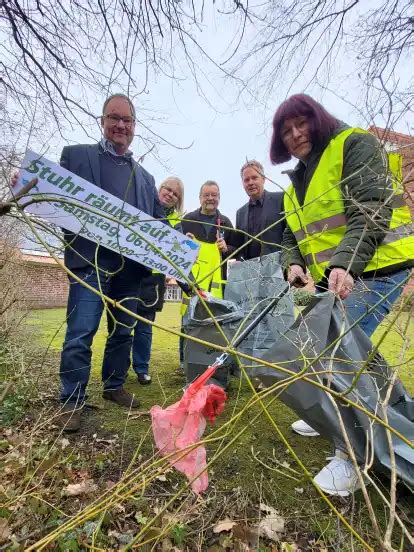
[171, 194]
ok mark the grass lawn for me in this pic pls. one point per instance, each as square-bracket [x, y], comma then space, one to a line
[250, 466]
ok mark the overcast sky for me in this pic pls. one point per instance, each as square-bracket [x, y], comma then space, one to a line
[220, 132]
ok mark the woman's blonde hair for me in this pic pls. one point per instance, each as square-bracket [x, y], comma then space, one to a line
[174, 179]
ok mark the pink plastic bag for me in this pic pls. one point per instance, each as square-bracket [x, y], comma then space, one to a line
[182, 424]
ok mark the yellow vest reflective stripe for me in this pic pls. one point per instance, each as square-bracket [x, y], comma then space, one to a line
[319, 225]
[207, 272]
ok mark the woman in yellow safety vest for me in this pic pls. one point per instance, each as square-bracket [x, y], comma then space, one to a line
[152, 288]
[347, 225]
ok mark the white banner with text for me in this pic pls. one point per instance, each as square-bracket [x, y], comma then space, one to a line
[70, 202]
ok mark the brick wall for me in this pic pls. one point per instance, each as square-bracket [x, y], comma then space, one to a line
[45, 284]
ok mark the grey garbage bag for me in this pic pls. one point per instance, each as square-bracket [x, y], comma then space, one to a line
[321, 343]
[198, 323]
[251, 285]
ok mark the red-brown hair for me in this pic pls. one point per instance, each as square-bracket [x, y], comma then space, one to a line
[321, 124]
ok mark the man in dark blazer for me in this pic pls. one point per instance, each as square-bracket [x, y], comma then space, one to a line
[263, 211]
[108, 164]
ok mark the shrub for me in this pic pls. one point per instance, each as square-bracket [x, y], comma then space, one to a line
[13, 390]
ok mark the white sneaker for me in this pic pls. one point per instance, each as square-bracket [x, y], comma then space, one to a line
[301, 427]
[339, 477]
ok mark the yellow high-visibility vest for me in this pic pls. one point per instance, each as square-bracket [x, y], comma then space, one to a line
[207, 272]
[319, 225]
[174, 218]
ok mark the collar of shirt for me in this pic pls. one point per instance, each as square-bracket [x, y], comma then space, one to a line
[257, 201]
[108, 147]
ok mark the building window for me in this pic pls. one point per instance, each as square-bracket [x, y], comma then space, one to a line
[173, 293]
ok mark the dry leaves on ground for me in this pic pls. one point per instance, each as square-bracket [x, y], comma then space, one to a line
[272, 525]
[86, 486]
[225, 525]
[4, 530]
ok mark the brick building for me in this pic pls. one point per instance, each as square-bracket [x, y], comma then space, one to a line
[37, 279]
[403, 144]
[45, 283]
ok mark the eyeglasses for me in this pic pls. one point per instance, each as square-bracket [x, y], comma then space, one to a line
[300, 124]
[115, 119]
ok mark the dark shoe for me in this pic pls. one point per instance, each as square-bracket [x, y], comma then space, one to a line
[144, 379]
[70, 417]
[122, 397]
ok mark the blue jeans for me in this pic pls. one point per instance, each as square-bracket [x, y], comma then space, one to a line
[368, 291]
[84, 313]
[141, 345]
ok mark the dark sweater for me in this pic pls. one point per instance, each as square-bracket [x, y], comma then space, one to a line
[268, 218]
[117, 177]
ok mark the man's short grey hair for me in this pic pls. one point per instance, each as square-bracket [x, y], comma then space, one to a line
[175, 180]
[252, 163]
[119, 95]
[209, 183]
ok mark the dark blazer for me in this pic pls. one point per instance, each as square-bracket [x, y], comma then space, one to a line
[83, 160]
[271, 212]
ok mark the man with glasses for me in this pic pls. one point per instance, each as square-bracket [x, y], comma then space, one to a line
[108, 164]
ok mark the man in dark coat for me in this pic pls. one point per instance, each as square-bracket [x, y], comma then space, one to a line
[208, 225]
[108, 164]
[214, 232]
[263, 211]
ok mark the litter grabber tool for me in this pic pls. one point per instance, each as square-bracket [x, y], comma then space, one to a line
[179, 426]
[220, 231]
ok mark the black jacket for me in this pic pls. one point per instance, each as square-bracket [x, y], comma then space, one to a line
[271, 214]
[193, 224]
[151, 293]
